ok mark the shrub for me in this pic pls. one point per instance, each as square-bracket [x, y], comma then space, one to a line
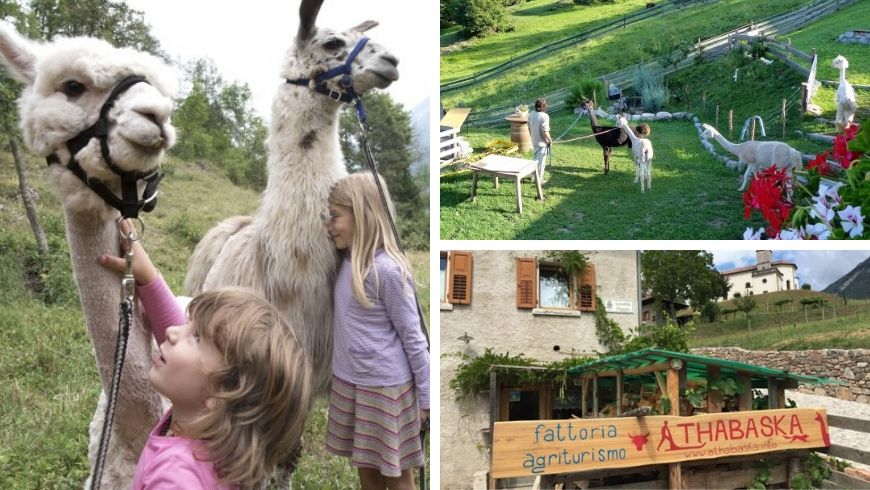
[481, 17]
[649, 83]
[588, 89]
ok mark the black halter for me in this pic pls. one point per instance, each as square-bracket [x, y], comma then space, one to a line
[347, 94]
[129, 204]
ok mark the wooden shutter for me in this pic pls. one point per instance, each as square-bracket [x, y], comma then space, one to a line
[586, 292]
[527, 283]
[459, 283]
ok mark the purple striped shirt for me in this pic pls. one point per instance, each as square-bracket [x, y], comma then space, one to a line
[382, 345]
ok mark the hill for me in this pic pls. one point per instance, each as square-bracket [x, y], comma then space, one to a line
[45, 353]
[781, 322]
[855, 284]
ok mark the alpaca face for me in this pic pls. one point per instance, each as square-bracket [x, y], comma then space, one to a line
[840, 62]
[373, 67]
[708, 131]
[66, 85]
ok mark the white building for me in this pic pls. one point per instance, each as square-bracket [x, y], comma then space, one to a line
[520, 302]
[765, 276]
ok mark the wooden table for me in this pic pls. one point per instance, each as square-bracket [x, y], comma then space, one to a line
[508, 167]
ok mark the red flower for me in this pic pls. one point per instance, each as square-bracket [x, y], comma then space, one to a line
[841, 150]
[820, 163]
[766, 193]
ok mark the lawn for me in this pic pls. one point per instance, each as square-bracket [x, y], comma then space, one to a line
[597, 57]
[50, 384]
[693, 195]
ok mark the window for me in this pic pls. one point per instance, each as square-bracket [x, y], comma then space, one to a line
[548, 286]
[527, 402]
[788, 285]
[764, 281]
[748, 285]
[456, 267]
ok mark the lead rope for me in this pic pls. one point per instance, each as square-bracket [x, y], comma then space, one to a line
[370, 160]
[128, 285]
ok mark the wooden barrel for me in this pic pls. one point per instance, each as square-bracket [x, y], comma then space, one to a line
[520, 131]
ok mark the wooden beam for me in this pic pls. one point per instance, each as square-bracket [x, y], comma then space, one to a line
[584, 387]
[714, 397]
[841, 422]
[850, 453]
[675, 477]
[619, 393]
[773, 393]
[595, 396]
[658, 366]
[745, 380]
[493, 416]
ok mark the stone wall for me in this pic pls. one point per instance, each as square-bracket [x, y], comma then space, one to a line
[856, 37]
[847, 366]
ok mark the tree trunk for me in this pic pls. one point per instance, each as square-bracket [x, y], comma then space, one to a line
[27, 197]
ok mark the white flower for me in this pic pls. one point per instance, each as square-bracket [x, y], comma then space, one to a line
[819, 230]
[791, 234]
[852, 221]
[750, 235]
[831, 192]
[822, 210]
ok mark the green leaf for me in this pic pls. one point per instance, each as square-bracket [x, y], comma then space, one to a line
[862, 140]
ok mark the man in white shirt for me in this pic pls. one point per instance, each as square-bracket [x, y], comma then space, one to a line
[539, 128]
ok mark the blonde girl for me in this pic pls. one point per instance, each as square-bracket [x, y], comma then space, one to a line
[380, 361]
[238, 381]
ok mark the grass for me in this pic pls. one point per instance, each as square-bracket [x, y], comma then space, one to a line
[535, 24]
[790, 327]
[50, 385]
[693, 196]
[597, 57]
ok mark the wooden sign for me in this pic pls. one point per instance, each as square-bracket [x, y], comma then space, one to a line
[542, 447]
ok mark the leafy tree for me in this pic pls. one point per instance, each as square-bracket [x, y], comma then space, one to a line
[779, 303]
[710, 311]
[746, 304]
[672, 275]
[481, 17]
[806, 286]
[389, 131]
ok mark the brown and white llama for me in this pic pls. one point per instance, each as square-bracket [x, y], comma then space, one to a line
[283, 250]
[66, 83]
[610, 136]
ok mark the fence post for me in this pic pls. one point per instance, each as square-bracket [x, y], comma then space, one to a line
[752, 137]
[730, 123]
[788, 51]
[805, 97]
[783, 118]
[717, 116]
[704, 102]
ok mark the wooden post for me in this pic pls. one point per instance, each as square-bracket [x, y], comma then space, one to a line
[745, 401]
[788, 51]
[717, 116]
[493, 416]
[584, 385]
[752, 137]
[772, 393]
[686, 91]
[783, 118]
[704, 101]
[714, 397]
[805, 97]
[675, 476]
[619, 393]
[595, 396]
[730, 123]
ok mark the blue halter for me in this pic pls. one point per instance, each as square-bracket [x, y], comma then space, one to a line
[347, 94]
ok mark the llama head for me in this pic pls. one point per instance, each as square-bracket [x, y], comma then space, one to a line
[841, 62]
[66, 83]
[318, 49]
[709, 131]
[621, 122]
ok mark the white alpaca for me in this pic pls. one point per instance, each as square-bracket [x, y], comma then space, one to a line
[758, 155]
[846, 101]
[66, 84]
[284, 250]
[642, 151]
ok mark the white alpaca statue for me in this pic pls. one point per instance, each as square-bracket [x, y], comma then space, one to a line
[642, 151]
[66, 84]
[758, 155]
[846, 102]
[283, 250]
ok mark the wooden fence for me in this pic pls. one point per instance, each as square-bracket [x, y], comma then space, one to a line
[839, 479]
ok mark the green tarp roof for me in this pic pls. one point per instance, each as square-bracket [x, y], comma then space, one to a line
[696, 367]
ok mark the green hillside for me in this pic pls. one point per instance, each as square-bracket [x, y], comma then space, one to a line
[627, 47]
[51, 387]
[790, 326]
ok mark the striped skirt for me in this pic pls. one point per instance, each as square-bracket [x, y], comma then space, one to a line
[375, 427]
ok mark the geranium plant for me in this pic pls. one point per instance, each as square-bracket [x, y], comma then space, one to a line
[825, 202]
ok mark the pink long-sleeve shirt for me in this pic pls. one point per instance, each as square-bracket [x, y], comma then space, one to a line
[169, 462]
[382, 345]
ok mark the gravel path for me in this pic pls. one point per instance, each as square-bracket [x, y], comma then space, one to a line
[835, 406]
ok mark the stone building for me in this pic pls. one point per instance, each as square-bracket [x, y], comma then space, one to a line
[520, 302]
[766, 276]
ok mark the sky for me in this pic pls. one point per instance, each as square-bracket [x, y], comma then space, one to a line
[248, 40]
[817, 267]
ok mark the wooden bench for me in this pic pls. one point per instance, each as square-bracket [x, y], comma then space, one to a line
[507, 167]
